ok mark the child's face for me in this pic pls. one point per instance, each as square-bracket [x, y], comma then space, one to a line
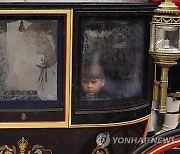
[92, 86]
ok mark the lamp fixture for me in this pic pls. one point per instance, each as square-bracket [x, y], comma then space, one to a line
[165, 43]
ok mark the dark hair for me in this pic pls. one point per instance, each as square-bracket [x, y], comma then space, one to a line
[92, 71]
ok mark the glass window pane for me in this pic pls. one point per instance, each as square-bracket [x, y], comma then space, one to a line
[28, 60]
[112, 62]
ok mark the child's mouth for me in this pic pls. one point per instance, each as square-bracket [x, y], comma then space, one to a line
[90, 92]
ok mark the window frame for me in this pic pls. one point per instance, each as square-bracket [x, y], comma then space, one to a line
[44, 117]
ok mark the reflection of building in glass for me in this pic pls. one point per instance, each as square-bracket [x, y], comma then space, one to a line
[20, 60]
[19, 71]
[114, 44]
[44, 36]
[168, 39]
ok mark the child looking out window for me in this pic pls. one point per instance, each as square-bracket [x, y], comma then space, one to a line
[92, 81]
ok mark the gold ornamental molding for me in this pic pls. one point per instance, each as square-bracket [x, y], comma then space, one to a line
[24, 117]
[165, 58]
[167, 7]
[165, 45]
[23, 148]
[165, 19]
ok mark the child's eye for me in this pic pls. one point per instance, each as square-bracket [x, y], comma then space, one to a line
[94, 81]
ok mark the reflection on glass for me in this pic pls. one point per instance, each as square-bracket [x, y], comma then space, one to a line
[168, 39]
[117, 46]
[29, 60]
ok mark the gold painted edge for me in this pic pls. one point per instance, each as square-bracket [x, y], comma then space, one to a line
[146, 130]
[35, 12]
[55, 124]
[70, 72]
[67, 122]
[49, 124]
[68, 66]
[111, 124]
[163, 146]
[6, 125]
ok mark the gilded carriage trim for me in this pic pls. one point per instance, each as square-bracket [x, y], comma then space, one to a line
[53, 11]
[23, 148]
[69, 93]
[98, 150]
[146, 118]
[165, 19]
[23, 116]
[68, 65]
[164, 146]
[22, 144]
[5, 125]
[7, 149]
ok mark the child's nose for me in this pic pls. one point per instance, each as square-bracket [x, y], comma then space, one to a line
[89, 84]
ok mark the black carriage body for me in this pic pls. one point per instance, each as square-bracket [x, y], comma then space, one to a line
[121, 33]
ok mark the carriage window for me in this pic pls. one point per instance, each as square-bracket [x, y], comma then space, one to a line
[112, 63]
[32, 50]
[29, 60]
